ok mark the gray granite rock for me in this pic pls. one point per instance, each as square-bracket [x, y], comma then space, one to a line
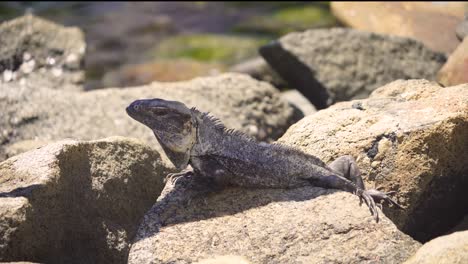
[331, 65]
[43, 115]
[42, 53]
[303, 225]
[408, 136]
[77, 201]
[449, 249]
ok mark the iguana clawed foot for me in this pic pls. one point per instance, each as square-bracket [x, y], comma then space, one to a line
[374, 198]
[381, 197]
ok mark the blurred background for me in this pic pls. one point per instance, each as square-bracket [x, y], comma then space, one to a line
[172, 41]
[136, 43]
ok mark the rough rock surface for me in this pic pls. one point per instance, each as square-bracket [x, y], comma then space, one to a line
[238, 100]
[330, 65]
[455, 70]
[450, 249]
[41, 52]
[77, 202]
[431, 23]
[410, 137]
[298, 100]
[304, 225]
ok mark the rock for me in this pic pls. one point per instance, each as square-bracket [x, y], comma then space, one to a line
[77, 201]
[450, 249]
[259, 69]
[462, 29]
[303, 225]
[34, 113]
[408, 136]
[331, 65]
[163, 71]
[41, 52]
[455, 70]
[431, 23]
[298, 100]
[25, 145]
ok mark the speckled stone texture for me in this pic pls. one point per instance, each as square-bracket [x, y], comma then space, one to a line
[44, 53]
[339, 64]
[410, 137]
[77, 201]
[304, 225]
[449, 249]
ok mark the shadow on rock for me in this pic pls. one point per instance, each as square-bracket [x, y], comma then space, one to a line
[191, 200]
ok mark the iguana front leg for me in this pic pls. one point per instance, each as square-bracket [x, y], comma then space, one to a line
[202, 185]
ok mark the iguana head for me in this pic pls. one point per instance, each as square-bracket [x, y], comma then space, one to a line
[172, 125]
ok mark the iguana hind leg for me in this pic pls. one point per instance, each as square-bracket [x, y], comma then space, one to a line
[347, 166]
[336, 181]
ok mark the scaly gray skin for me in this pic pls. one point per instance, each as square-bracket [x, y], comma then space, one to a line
[228, 157]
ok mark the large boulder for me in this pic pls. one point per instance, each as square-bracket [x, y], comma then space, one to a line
[410, 137]
[331, 65]
[41, 52]
[431, 23]
[45, 115]
[449, 249]
[75, 201]
[455, 70]
[303, 225]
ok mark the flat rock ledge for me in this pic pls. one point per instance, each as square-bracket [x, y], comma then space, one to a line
[304, 225]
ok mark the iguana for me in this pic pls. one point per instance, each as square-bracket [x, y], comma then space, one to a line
[229, 157]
